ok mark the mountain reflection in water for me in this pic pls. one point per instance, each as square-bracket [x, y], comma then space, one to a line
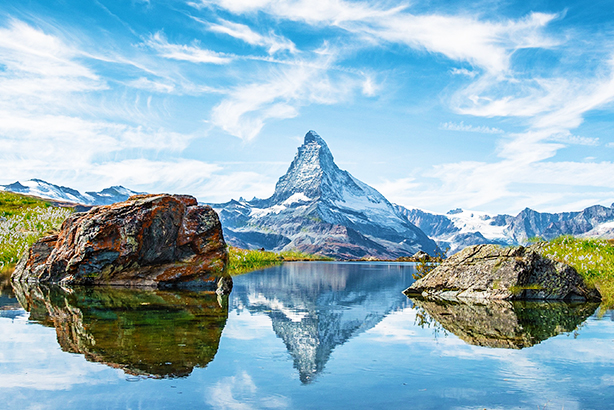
[503, 324]
[315, 307]
[150, 333]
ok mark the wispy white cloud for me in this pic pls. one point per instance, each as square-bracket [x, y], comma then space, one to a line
[463, 71]
[280, 94]
[46, 129]
[452, 126]
[227, 184]
[485, 44]
[568, 138]
[175, 174]
[144, 83]
[273, 42]
[331, 12]
[40, 70]
[193, 53]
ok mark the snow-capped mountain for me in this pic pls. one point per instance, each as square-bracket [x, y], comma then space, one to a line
[40, 188]
[460, 228]
[318, 208]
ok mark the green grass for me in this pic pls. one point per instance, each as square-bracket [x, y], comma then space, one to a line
[295, 255]
[242, 261]
[592, 258]
[23, 220]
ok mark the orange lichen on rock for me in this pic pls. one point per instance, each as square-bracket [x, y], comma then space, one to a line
[148, 240]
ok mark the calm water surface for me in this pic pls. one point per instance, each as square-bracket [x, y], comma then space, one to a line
[304, 336]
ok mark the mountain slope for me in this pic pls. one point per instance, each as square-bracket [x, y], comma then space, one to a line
[40, 188]
[319, 208]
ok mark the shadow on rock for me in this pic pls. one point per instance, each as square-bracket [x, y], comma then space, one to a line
[503, 324]
[146, 333]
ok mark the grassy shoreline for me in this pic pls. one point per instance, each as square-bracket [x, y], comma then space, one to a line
[242, 261]
[592, 258]
[24, 220]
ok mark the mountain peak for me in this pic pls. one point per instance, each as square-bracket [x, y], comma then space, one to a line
[315, 144]
[318, 207]
[312, 162]
[313, 136]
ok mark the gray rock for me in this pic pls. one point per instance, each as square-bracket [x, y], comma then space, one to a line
[421, 256]
[495, 272]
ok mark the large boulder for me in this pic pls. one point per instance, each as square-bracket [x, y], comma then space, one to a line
[495, 272]
[421, 256]
[148, 240]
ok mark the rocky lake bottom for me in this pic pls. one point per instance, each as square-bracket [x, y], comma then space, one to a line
[301, 336]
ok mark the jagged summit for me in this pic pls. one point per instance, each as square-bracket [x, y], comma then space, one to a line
[312, 164]
[317, 207]
[313, 136]
[313, 175]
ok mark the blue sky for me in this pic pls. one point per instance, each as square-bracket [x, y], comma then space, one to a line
[494, 106]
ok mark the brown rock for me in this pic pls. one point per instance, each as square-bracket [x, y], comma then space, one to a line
[494, 272]
[148, 240]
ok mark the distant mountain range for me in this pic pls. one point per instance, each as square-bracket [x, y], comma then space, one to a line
[460, 228]
[40, 188]
[318, 208]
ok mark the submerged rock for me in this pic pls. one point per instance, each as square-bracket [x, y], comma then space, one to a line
[494, 272]
[501, 323]
[148, 240]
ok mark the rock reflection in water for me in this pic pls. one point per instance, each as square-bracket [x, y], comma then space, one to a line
[315, 307]
[503, 324]
[150, 333]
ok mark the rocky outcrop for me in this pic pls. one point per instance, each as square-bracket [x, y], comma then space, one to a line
[495, 272]
[151, 333]
[148, 240]
[503, 324]
[421, 256]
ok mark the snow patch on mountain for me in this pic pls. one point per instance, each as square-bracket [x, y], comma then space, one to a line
[475, 221]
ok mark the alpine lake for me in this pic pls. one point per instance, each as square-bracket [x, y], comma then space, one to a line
[302, 335]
